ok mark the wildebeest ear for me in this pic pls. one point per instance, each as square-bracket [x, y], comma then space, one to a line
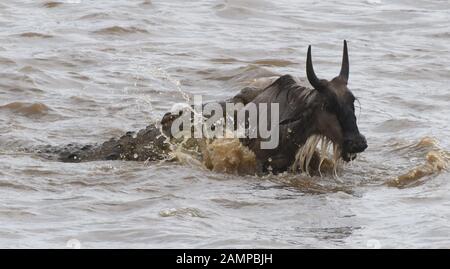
[312, 78]
[345, 64]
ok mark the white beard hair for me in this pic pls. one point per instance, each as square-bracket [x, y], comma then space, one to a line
[306, 151]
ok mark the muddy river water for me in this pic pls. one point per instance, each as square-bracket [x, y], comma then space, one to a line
[84, 71]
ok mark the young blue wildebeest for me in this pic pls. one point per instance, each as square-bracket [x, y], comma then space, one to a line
[324, 114]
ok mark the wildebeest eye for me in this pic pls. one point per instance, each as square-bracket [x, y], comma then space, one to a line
[333, 103]
[332, 106]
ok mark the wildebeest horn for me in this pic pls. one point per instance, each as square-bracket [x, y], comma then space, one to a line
[310, 70]
[345, 65]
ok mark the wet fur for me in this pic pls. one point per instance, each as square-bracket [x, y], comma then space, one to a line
[297, 122]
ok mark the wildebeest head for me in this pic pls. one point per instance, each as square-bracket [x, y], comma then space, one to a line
[336, 116]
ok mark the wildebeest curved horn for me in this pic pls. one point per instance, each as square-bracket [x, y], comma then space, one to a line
[315, 82]
[345, 65]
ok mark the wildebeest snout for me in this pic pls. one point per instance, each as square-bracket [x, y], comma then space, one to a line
[355, 144]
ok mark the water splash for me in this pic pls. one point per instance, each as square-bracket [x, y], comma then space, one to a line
[229, 156]
[436, 161]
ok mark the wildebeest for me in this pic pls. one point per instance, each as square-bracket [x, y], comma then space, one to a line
[324, 114]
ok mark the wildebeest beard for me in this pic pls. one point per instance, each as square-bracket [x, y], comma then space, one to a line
[310, 120]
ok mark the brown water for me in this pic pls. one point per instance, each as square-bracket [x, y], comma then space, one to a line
[84, 71]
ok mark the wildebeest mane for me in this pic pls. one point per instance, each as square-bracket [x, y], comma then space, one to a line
[294, 100]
